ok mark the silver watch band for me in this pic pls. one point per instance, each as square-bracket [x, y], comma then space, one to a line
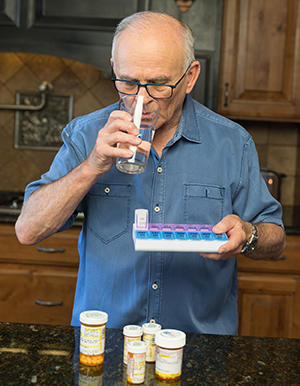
[252, 241]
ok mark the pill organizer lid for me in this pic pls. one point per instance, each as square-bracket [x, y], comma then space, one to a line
[132, 330]
[93, 317]
[170, 338]
[151, 328]
[137, 347]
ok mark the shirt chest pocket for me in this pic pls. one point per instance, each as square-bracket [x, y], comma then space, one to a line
[108, 210]
[203, 204]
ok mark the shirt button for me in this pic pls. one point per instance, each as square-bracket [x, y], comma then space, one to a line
[154, 286]
[107, 190]
[152, 320]
[157, 209]
[159, 169]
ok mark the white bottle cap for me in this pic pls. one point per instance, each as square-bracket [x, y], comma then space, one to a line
[170, 338]
[137, 347]
[151, 328]
[132, 330]
[93, 317]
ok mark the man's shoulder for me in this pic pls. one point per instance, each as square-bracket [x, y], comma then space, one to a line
[217, 121]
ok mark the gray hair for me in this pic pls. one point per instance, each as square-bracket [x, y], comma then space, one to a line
[146, 19]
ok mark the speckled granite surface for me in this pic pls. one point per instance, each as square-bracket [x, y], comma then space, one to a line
[45, 355]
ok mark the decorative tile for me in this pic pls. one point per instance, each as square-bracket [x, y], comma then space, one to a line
[6, 181]
[46, 67]
[42, 129]
[6, 98]
[258, 130]
[25, 56]
[42, 160]
[287, 190]
[6, 147]
[67, 61]
[87, 74]
[22, 170]
[24, 80]
[262, 151]
[105, 92]
[10, 64]
[288, 215]
[282, 159]
[86, 104]
[282, 133]
[69, 83]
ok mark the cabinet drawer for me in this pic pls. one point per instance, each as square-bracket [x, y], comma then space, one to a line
[289, 262]
[21, 291]
[59, 249]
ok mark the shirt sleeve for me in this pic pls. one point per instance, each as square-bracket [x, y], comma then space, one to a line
[67, 158]
[252, 200]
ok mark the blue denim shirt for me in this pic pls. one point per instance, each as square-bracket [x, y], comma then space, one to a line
[208, 170]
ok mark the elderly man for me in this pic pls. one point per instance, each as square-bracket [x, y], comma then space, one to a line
[202, 169]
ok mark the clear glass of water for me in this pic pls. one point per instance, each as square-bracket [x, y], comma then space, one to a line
[144, 111]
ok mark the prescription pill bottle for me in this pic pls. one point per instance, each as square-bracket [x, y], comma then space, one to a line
[149, 331]
[169, 353]
[131, 332]
[90, 376]
[92, 337]
[136, 361]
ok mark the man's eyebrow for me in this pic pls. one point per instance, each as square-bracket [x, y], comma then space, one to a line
[161, 79]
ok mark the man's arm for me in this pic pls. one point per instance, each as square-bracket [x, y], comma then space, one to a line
[48, 208]
[270, 245]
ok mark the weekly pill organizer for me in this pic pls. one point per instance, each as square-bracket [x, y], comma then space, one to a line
[174, 237]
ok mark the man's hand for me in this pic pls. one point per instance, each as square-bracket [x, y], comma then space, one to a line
[270, 245]
[237, 231]
[119, 129]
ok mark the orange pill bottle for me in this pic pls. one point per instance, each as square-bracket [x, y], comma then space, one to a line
[90, 375]
[131, 332]
[136, 362]
[169, 353]
[92, 337]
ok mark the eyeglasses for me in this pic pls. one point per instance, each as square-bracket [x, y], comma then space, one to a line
[154, 90]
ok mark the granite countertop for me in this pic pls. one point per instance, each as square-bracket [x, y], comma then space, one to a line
[45, 355]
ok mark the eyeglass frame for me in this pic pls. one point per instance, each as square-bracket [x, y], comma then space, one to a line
[172, 86]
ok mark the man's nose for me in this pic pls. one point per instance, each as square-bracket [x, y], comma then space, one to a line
[143, 91]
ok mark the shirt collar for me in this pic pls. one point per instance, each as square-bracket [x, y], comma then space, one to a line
[188, 126]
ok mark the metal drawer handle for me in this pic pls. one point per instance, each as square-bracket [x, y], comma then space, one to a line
[51, 250]
[48, 304]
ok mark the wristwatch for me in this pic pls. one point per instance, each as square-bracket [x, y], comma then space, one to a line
[252, 241]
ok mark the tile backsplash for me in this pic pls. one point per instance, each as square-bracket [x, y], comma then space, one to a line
[90, 88]
[276, 142]
[277, 147]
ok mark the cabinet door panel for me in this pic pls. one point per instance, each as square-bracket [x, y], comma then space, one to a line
[20, 290]
[260, 60]
[94, 14]
[268, 305]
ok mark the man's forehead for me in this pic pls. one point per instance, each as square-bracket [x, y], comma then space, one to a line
[150, 56]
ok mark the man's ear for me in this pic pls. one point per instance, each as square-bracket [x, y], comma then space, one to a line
[193, 75]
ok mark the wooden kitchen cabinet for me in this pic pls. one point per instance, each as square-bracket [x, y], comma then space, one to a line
[269, 294]
[260, 60]
[38, 282]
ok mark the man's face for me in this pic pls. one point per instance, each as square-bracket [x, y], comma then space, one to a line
[153, 59]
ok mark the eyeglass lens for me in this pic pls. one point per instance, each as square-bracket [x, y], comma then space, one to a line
[155, 91]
